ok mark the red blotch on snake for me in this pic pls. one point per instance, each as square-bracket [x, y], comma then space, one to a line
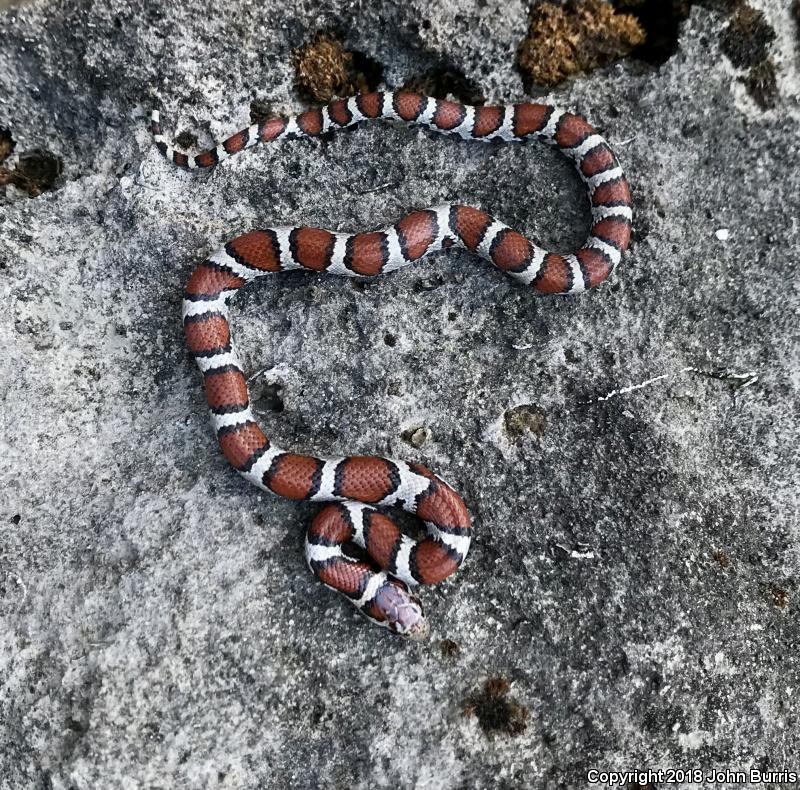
[208, 334]
[417, 232]
[364, 478]
[258, 249]
[293, 475]
[208, 281]
[312, 247]
[487, 120]
[239, 443]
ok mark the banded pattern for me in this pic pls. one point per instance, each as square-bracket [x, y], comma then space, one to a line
[380, 584]
[369, 254]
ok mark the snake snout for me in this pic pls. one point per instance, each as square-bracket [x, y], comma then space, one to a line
[401, 610]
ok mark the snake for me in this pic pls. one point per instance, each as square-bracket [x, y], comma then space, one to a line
[352, 546]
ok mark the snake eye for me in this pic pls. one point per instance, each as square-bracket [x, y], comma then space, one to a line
[400, 610]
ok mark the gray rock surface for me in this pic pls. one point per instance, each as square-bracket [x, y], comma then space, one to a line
[630, 456]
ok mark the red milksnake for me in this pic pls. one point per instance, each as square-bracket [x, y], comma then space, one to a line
[381, 586]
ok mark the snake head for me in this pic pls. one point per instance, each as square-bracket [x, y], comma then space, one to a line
[396, 607]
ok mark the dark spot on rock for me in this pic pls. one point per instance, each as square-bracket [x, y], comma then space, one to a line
[449, 648]
[162, 375]
[428, 283]
[268, 397]
[15, 519]
[579, 36]
[746, 42]
[317, 713]
[747, 38]
[76, 726]
[525, 419]
[690, 130]
[394, 388]
[369, 70]
[324, 70]
[260, 111]
[41, 167]
[390, 340]
[36, 172]
[660, 20]
[762, 85]
[152, 731]
[654, 681]
[7, 143]
[446, 81]
[495, 711]
[186, 140]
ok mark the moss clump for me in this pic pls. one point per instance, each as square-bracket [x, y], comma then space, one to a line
[780, 596]
[325, 70]
[449, 648]
[580, 36]
[722, 559]
[496, 713]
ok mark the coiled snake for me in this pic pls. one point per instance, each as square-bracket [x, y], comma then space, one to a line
[381, 585]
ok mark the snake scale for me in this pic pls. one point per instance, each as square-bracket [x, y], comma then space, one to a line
[381, 581]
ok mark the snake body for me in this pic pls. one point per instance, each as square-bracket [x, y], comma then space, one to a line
[381, 582]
